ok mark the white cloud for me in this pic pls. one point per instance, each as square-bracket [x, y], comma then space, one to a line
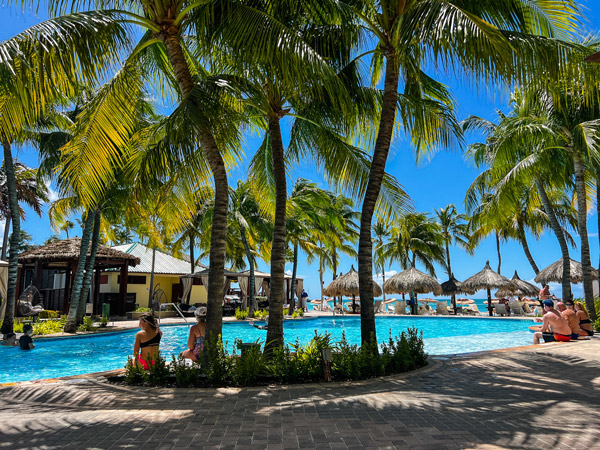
[52, 194]
[288, 272]
[379, 279]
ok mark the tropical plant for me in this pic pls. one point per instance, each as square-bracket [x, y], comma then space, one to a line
[381, 233]
[454, 229]
[490, 40]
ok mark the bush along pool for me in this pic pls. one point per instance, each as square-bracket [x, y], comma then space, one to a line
[318, 360]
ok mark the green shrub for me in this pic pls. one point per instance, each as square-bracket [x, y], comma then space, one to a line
[87, 325]
[49, 314]
[159, 372]
[261, 314]
[286, 311]
[218, 366]
[103, 321]
[134, 374]
[185, 375]
[250, 365]
[48, 327]
[143, 310]
[241, 314]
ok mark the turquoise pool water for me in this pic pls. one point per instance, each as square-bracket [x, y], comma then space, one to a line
[78, 355]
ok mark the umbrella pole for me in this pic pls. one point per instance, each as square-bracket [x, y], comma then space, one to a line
[489, 302]
[353, 305]
[453, 303]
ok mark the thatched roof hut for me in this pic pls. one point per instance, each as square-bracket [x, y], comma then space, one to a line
[487, 279]
[68, 250]
[453, 286]
[412, 280]
[554, 273]
[347, 285]
[519, 288]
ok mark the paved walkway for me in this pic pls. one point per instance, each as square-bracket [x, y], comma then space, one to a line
[505, 400]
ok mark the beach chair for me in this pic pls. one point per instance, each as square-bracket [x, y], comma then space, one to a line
[400, 307]
[473, 310]
[516, 309]
[442, 308]
[345, 309]
[528, 310]
[377, 307]
[501, 309]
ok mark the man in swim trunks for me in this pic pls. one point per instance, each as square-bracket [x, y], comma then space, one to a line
[569, 314]
[554, 327]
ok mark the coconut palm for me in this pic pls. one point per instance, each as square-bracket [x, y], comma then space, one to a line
[31, 190]
[40, 67]
[381, 232]
[454, 230]
[491, 40]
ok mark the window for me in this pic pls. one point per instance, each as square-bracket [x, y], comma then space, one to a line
[133, 279]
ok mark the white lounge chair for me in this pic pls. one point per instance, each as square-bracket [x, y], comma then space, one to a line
[501, 309]
[516, 309]
[474, 310]
[378, 306]
[400, 307]
[442, 308]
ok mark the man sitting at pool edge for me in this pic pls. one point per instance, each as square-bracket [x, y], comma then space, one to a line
[554, 326]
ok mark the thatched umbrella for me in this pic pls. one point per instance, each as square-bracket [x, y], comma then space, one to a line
[413, 281]
[487, 279]
[453, 287]
[348, 285]
[519, 288]
[594, 57]
[554, 273]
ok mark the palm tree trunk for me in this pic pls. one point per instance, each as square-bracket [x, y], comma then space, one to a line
[251, 268]
[383, 281]
[334, 264]
[321, 271]
[560, 236]
[365, 243]
[523, 241]
[448, 265]
[275, 329]
[586, 263]
[71, 323]
[5, 238]
[89, 268]
[598, 206]
[294, 280]
[216, 281]
[192, 265]
[13, 255]
[498, 250]
[151, 291]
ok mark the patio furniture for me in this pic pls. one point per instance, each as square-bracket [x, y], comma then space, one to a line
[400, 307]
[501, 309]
[442, 309]
[516, 309]
[378, 307]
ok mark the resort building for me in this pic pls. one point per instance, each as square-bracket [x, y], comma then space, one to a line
[167, 277]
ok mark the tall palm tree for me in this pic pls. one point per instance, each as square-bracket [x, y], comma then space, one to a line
[31, 190]
[455, 229]
[381, 232]
[491, 40]
[40, 67]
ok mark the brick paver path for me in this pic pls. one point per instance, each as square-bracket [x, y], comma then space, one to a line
[547, 398]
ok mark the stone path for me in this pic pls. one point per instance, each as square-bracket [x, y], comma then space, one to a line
[513, 399]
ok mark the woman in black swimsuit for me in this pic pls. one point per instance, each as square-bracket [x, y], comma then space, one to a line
[585, 324]
[147, 341]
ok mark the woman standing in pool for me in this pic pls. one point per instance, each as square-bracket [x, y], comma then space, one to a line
[585, 324]
[145, 349]
[196, 337]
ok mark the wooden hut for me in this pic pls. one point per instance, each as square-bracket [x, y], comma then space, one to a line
[51, 269]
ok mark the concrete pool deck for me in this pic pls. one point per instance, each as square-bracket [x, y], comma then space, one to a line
[494, 400]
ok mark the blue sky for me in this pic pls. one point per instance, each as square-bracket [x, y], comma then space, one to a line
[431, 185]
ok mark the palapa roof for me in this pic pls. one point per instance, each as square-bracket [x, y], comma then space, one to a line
[486, 279]
[554, 273]
[453, 286]
[68, 250]
[519, 287]
[412, 280]
[347, 285]
[164, 263]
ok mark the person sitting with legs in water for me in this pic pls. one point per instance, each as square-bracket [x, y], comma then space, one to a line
[145, 348]
[197, 336]
[554, 326]
[568, 312]
[585, 324]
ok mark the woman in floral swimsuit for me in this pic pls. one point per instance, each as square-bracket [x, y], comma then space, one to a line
[196, 337]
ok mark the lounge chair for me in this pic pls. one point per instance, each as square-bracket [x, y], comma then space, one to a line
[400, 307]
[501, 309]
[345, 308]
[474, 310]
[377, 307]
[442, 309]
[516, 309]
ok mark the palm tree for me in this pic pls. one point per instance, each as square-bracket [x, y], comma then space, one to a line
[31, 190]
[68, 225]
[75, 52]
[381, 232]
[455, 230]
[487, 41]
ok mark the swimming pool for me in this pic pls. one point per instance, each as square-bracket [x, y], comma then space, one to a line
[78, 355]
